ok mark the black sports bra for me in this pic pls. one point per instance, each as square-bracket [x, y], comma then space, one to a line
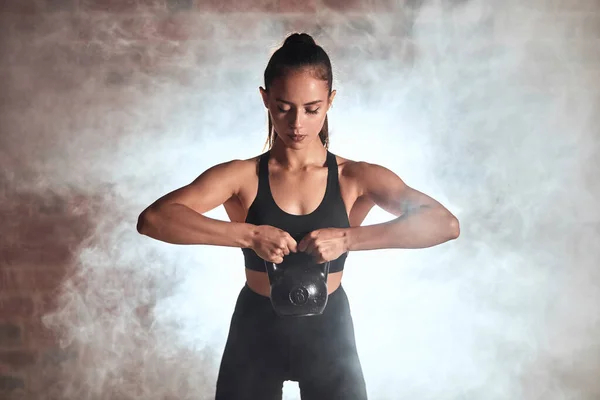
[331, 213]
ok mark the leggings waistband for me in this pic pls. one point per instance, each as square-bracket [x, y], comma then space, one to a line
[248, 299]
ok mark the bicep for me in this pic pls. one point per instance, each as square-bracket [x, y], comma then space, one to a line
[211, 189]
[388, 191]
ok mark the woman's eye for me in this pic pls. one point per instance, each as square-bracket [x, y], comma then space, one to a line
[283, 110]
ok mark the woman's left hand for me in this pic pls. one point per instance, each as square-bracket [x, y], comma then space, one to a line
[325, 244]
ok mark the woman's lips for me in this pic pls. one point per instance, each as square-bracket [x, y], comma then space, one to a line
[297, 138]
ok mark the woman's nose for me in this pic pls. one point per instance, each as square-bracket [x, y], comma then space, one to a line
[295, 119]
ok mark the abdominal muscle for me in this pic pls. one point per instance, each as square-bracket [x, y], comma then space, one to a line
[259, 282]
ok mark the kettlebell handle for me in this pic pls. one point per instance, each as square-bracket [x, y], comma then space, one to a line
[325, 269]
[271, 267]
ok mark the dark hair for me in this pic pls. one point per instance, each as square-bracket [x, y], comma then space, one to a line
[299, 51]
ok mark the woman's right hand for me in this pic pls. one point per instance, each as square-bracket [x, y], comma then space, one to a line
[272, 244]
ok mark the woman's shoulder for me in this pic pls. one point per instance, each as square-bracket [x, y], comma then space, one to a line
[350, 167]
[236, 169]
[243, 166]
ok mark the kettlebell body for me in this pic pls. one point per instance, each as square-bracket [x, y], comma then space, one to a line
[298, 286]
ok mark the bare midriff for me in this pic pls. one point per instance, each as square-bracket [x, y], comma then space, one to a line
[259, 282]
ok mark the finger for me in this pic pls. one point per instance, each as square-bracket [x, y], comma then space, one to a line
[318, 255]
[306, 241]
[310, 247]
[320, 258]
[282, 246]
[277, 255]
[292, 245]
[309, 241]
[303, 243]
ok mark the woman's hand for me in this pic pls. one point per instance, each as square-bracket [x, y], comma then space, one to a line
[272, 244]
[325, 244]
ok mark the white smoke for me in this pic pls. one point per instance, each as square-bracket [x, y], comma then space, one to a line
[490, 109]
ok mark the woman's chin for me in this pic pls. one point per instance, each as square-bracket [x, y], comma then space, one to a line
[297, 144]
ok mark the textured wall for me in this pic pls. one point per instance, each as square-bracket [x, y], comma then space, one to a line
[493, 109]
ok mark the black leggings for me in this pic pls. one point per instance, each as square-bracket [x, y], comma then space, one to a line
[263, 350]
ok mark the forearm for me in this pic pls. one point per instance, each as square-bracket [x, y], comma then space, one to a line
[423, 228]
[178, 224]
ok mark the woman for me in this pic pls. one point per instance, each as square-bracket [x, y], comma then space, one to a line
[296, 197]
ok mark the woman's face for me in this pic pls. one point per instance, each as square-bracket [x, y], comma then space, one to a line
[298, 104]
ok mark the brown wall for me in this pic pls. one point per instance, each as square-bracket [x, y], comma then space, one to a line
[67, 63]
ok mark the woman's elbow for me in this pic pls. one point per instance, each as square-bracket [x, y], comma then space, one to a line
[143, 222]
[454, 229]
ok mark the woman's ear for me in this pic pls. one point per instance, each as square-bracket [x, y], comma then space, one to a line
[331, 97]
[265, 96]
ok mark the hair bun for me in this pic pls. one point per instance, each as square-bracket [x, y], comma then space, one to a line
[299, 39]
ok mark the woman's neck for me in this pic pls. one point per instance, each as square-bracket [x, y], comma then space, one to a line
[296, 159]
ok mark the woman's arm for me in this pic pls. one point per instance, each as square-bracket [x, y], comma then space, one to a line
[177, 217]
[421, 221]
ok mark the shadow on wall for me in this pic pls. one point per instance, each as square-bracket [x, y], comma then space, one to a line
[43, 233]
[43, 229]
[76, 313]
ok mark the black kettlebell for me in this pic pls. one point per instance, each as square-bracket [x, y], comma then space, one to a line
[298, 286]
